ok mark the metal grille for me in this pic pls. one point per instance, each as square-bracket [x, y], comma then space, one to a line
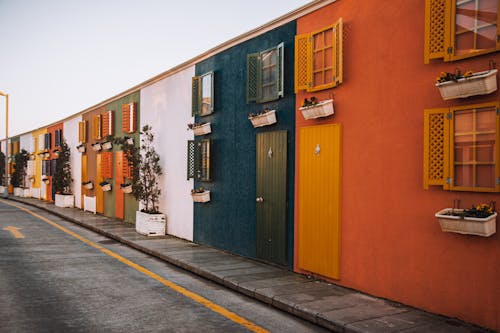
[436, 147]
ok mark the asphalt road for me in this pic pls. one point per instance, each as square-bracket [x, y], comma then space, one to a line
[70, 279]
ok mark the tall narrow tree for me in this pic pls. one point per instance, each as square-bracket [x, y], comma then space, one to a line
[62, 175]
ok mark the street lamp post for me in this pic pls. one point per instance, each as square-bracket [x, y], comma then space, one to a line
[7, 152]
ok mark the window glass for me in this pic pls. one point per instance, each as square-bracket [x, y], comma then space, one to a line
[206, 94]
[269, 60]
[322, 58]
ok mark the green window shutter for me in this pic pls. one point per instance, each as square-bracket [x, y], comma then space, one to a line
[253, 77]
[281, 65]
[191, 152]
[196, 95]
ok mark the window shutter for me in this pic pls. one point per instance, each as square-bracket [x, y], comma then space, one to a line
[41, 141]
[111, 123]
[437, 27]
[107, 120]
[436, 148]
[96, 127]
[191, 149]
[253, 77]
[107, 164]
[337, 47]
[126, 167]
[82, 131]
[303, 59]
[128, 118]
[195, 95]
[281, 66]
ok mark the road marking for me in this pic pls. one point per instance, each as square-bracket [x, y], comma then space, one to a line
[15, 231]
[181, 290]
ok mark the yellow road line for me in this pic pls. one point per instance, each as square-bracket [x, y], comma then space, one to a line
[195, 297]
[14, 231]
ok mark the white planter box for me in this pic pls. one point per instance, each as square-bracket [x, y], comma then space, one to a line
[26, 193]
[106, 187]
[322, 109]
[18, 192]
[81, 148]
[88, 186]
[130, 141]
[468, 225]
[65, 200]
[264, 119]
[45, 180]
[35, 193]
[2, 189]
[203, 129]
[89, 204]
[150, 224]
[96, 146]
[107, 145]
[126, 189]
[201, 197]
[481, 83]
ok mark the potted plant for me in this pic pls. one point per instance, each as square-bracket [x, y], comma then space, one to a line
[145, 164]
[105, 186]
[262, 118]
[458, 85]
[62, 178]
[18, 176]
[81, 148]
[200, 195]
[312, 109]
[200, 128]
[480, 220]
[88, 185]
[126, 188]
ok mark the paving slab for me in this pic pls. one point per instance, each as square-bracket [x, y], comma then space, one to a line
[328, 305]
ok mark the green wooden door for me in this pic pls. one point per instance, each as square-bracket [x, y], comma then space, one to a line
[271, 196]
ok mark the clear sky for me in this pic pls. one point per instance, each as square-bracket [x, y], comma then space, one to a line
[59, 57]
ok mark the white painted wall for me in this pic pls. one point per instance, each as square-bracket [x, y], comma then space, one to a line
[26, 143]
[70, 133]
[166, 106]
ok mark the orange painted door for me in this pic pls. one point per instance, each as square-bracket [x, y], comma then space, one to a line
[98, 191]
[319, 200]
[119, 195]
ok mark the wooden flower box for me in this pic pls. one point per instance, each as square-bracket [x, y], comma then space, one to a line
[466, 225]
[150, 224]
[105, 186]
[96, 146]
[322, 109]
[201, 197]
[88, 185]
[81, 148]
[263, 119]
[202, 129]
[126, 188]
[107, 145]
[480, 83]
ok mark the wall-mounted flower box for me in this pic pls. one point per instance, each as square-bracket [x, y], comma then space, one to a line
[318, 110]
[126, 188]
[480, 83]
[45, 180]
[452, 220]
[46, 155]
[268, 117]
[129, 140]
[96, 146]
[81, 148]
[88, 185]
[200, 129]
[105, 186]
[203, 196]
[150, 224]
[107, 145]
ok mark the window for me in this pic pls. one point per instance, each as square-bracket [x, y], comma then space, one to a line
[107, 119]
[199, 160]
[457, 29]
[128, 118]
[203, 94]
[58, 137]
[41, 141]
[82, 131]
[47, 141]
[107, 164]
[96, 127]
[265, 75]
[461, 148]
[318, 58]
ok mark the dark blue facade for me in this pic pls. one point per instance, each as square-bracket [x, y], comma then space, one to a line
[228, 221]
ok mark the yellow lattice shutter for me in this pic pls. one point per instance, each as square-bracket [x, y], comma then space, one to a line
[96, 127]
[337, 45]
[82, 131]
[436, 148]
[437, 29]
[302, 61]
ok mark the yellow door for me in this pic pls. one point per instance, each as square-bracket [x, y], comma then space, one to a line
[319, 199]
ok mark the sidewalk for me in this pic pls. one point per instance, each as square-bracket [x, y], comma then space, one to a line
[333, 307]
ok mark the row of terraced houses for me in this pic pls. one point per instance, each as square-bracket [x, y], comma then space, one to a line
[346, 189]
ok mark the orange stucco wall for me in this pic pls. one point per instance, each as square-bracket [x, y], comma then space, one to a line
[391, 243]
[52, 129]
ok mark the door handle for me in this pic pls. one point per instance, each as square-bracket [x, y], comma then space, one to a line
[260, 199]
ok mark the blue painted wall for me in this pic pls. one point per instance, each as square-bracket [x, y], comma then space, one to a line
[228, 221]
